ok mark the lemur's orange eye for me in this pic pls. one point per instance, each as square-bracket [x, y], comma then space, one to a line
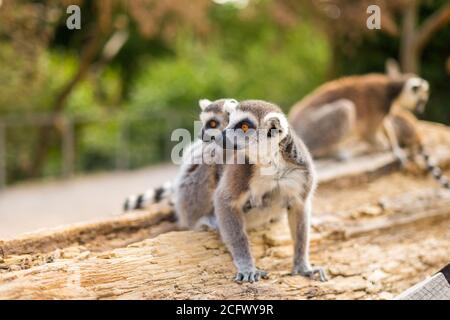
[212, 124]
[245, 127]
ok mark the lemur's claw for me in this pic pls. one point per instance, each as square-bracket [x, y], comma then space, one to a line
[312, 272]
[250, 276]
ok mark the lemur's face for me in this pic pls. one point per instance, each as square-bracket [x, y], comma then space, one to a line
[214, 119]
[415, 94]
[256, 127]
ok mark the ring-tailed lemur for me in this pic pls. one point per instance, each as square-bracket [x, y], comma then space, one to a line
[405, 130]
[401, 125]
[191, 193]
[362, 106]
[269, 183]
[150, 196]
[351, 107]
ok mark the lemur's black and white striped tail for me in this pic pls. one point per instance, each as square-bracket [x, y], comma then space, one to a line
[151, 196]
[434, 170]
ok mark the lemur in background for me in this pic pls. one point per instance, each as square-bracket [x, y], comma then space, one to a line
[269, 183]
[354, 107]
[402, 125]
[191, 193]
[362, 107]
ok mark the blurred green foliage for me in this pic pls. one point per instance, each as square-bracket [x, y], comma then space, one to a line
[125, 111]
[370, 54]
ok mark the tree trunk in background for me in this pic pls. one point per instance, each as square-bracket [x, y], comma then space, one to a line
[448, 65]
[409, 59]
[414, 39]
[43, 144]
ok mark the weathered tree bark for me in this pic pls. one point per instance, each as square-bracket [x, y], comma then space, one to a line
[376, 263]
[377, 234]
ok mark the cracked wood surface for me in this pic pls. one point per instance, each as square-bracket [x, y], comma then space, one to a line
[375, 237]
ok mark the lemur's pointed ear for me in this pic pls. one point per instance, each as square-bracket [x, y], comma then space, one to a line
[230, 105]
[277, 121]
[393, 69]
[203, 103]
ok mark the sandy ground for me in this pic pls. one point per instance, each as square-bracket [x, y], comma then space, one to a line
[32, 206]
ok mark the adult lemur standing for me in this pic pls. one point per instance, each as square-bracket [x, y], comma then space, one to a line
[270, 182]
[362, 107]
[354, 106]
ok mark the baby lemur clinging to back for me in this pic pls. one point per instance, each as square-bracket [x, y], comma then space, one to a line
[201, 170]
[269, 182]
[191, 194]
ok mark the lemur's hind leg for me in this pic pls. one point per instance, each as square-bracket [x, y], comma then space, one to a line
[193, 210]
[326, 127]
[207, 223]
[193, 194]
[299, 214]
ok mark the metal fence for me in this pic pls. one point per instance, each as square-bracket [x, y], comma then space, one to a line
[65, 127]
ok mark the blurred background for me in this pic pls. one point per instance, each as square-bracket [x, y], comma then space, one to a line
[81, 108]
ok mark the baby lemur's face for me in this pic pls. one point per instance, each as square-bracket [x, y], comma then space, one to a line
[256, 127]
[415, 94]
[214, 119]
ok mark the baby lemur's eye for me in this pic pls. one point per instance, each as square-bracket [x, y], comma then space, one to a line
[245, 126]
[213, 124]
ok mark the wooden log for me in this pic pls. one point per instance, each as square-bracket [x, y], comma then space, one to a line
[394, 231]
[193, 265]
[381, 258]
[153, 222]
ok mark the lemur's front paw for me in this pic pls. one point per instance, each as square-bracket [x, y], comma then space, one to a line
[402, 157]
[250, 276]
[311, 272]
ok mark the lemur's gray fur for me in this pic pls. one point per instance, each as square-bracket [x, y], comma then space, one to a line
[195, 184]
[191, 192]
[264, 187]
